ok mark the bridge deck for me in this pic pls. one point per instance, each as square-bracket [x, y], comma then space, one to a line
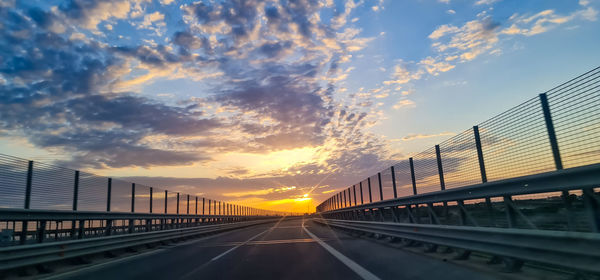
[284, 250]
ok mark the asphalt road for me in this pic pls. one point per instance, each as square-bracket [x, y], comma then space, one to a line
[289, 249]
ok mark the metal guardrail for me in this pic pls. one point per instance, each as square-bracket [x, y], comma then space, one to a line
[554, 131]
[523, 185]
[561, 180]
[572, 250]
[57, 225]
[26, 255]
[39, 201]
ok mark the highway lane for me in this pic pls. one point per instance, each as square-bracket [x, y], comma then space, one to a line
[289, 249]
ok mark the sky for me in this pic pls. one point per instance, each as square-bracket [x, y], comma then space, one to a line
[271, 104]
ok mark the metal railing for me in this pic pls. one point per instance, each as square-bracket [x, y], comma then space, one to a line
[41, 202]
[532, 170]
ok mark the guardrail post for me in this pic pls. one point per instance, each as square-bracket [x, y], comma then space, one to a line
[132, 197]
[75, 190]
[380, 186]
[394, 181]
[510, 212]
[370, 194]
[592, 206]
[41, 232]
[412, 175]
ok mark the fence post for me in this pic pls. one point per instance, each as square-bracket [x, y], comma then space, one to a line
[412, 175]
[27, 203]
[108, 229]
[344, 191]
[203, 206]
[361, 194]
[556, 154]
[480, 154]
[551, 132]
[166, 198]
[108, 198]
[132, 197]
[150, 199]
[209, 207]
[188, 204]
[370, 195]
[354, 190]
[75, 190]
[438, 156]
[28, 186]
[380, 186]
[196, 206]
[177, 204]
[394, 181]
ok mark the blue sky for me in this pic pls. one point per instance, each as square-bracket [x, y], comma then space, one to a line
[261, 102]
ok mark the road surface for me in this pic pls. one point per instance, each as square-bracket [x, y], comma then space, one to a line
[289, 249]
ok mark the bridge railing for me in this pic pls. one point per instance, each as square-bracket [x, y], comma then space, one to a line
[556, 131]
[520, 187]
[42, 202]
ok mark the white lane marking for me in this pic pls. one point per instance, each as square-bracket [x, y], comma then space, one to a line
[237, 246]
[189, 274]
[118, 260]
[363, 273]
[246, 242]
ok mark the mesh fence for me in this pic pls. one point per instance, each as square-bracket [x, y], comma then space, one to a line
[13, 176]
[516, 143]
[120, 197]
[459, 160]
[426, 171]
[37, 185]
[52, 187]
[142, 199]
[403, 178]
[575, 108]
[93, 192]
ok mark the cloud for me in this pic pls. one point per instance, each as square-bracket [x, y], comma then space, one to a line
[89, 13]
[545, 21]
[417, 136]
[486, 2]
[272, 82]
[404, 103]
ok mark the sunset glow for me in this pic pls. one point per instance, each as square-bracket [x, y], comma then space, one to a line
[271, 104]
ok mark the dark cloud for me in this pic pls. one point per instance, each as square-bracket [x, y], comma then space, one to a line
[54, 95]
